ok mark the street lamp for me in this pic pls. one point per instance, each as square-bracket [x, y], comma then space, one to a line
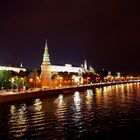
[38, 81]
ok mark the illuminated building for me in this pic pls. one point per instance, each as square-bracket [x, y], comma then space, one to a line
[85, 65]
[8, 68]
[47, 70]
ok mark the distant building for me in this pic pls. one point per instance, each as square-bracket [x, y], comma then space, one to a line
[85, 65]
[9, 68]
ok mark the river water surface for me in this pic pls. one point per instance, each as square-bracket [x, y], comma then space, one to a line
[106, 112]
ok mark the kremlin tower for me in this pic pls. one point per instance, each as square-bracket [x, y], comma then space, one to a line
[46, 69]
[85, 65]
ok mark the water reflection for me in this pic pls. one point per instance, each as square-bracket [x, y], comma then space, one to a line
[138, 87]
[89, 93]
[104, 89]
[60, 104]
[131, 87]
[38, 116]
[78, 114]
[99, 94]
[109, 111]
[59, 100]
[60, 113]
[106, 93]
[128, 87]
[18, 122]
[37, 105]
[77, 100]
[117, 88]
[12, 109]
[89, 98]
[122, 88]
[77, 106]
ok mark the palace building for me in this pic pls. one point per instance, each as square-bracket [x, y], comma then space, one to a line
[47, 69]
[9, 68]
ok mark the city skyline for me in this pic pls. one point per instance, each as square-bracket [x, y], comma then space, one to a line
[106, 36]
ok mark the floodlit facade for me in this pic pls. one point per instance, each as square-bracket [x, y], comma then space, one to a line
[8, 68]
[65, 68]
[47, 69]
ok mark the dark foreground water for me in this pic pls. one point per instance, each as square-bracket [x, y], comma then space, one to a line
[107, 112]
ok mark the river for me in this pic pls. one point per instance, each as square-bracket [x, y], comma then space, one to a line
[106, 112]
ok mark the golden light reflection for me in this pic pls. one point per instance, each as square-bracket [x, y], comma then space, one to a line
[128, 87]
[18, 125]
[89, 97]
[77, 100]
[138, 87]
[106, 94]
[122, 88]
[38, 114]
[102, 95]
[109, 87]
[38, 105]
[77, 115]
[98, 90]
[12, 109]
[59, 100]
[117, 88]
[131, 87]
[104, 89]
[123, 96]
[59, 104]
[89, 94]
[99, 93]
[60, 110]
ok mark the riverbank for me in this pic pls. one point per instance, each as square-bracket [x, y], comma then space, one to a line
[13, 96]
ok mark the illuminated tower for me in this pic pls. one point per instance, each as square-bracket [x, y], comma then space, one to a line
[21, 65]
[85, 65]
[46, 69]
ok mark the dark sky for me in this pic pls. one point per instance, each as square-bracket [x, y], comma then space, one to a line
[105, 32]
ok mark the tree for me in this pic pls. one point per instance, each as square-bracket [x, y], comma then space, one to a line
[4, 79]
[33, 75]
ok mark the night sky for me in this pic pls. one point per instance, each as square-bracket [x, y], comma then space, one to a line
[105, 32]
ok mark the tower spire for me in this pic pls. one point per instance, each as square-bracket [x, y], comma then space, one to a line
[46, 57]
[21, 65]
[46, 69]
[85, 64]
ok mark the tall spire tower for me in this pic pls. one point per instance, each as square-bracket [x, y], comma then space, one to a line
[21, 65]
[46, 69]
[85, 64]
